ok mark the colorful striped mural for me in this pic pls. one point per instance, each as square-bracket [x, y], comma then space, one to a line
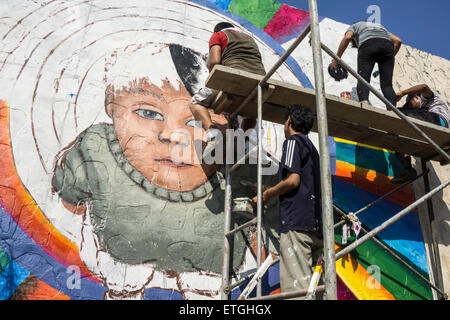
[37, 260]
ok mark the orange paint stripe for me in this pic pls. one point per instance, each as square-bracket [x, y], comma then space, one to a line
[42, 291]
[24, 210]
[277, 291]
[359, 281]
[374, 182]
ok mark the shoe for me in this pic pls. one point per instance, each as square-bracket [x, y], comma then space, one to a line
[406, 175]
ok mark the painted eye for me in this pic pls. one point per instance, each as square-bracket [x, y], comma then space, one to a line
[149, 114]
[193, 123]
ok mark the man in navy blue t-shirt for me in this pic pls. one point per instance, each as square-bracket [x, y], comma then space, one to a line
[299, 192]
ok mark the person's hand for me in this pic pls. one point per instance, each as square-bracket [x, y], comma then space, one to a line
[255, 199]
[334, 64]
[399, 95]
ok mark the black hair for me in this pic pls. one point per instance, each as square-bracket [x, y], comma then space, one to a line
[222, 25]
[188, 65]
[408, 100]
[302, 118]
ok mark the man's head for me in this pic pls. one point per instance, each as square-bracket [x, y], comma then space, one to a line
[413, 101]
[299, 119]
[222, 25]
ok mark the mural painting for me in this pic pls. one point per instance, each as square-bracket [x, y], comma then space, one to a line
[95, 99]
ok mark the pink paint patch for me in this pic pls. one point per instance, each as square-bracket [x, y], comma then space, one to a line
[287, 23]
[343, 292]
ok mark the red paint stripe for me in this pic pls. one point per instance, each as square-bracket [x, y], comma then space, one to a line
[373, 182]
[19, 204]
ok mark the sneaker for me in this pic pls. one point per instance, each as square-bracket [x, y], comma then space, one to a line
[406, 175]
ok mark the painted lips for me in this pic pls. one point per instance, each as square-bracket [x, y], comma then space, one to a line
[174, 164]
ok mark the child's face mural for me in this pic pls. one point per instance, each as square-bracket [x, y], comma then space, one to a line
[157, 131]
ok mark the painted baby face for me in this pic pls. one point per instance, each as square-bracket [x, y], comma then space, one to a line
[156, 131]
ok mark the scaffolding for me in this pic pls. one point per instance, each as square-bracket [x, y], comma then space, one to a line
[419, 140]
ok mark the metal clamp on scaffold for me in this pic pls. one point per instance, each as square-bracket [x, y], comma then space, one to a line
[352, 224]
[243, 206]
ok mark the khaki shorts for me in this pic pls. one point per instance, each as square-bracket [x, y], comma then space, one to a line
[204, 96]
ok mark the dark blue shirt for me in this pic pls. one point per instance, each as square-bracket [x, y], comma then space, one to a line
[300, 209]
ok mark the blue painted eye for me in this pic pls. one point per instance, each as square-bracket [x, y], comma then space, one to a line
[149, 114]
[193, 123]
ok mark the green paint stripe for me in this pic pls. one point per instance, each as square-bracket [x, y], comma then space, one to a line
[4, 260]
[258, 12]
[399, 281]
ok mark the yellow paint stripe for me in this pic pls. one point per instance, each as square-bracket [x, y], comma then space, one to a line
[362, 145]
[359, 281]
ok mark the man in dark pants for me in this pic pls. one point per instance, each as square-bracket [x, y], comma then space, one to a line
[299, 192]
[375, 45]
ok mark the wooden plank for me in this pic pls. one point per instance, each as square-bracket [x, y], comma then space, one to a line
[352, 120]
[222, 102]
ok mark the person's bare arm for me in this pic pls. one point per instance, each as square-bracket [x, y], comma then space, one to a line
[397, 43]
[215, 56]
[422, 89]
[78, 210]
[291, 182]
[342, 47]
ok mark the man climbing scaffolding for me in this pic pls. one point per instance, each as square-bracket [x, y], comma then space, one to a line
[230, 47]
[375, 45]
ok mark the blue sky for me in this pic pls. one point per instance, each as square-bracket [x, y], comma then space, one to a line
[422, 24]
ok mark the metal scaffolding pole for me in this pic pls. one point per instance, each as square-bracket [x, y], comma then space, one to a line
[227, 226]
[289, 295]
[436, 271]
[325, 171]
[241, 227]
[259, 204]
[390, 221]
